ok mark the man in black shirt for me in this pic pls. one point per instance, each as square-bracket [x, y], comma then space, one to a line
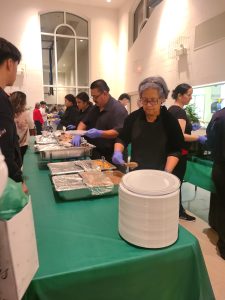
[9, 59]
[104, 121]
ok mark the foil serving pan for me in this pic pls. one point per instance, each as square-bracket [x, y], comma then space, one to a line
[76, 166]
[51, 152]
[72, 186]
[45, 140]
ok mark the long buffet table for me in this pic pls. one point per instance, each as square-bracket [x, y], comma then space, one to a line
[82, 256]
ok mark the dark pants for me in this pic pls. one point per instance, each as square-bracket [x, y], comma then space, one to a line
[179, 171]
[38, 127]
[217, 204]
[23, 150]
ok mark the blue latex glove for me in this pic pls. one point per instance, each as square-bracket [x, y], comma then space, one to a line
[76, 141]
[202, 139]
[195, 126]
[117, 158]
[71, 127]
[56, 122]
[93, 133]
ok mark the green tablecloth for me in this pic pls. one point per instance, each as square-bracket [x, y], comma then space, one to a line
[83, 257]
[198, 172]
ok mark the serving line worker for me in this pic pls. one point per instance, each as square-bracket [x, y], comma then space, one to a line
[84, 105]
[104, 121]
[182, 95]
[155, 135]
[71, 113]
[216, 141]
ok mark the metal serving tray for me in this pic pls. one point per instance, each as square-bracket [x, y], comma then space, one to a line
[77, 166]
[72, 187]
[51, 152]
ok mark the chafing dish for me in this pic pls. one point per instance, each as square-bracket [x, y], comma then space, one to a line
[51, 151]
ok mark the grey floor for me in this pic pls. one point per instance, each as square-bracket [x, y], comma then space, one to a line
[197, 203]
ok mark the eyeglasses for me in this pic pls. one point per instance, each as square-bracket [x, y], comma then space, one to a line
[152, 101]
[95, 97]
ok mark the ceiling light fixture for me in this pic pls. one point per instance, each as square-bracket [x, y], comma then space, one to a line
[108, 1]
[81, 41]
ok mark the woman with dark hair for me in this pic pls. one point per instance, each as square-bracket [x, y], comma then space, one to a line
[22, 120]
[84, 105]
[37, 117]
[182, 95]
[154, 134]
[71, 113]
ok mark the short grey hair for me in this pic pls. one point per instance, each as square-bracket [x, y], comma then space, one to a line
[155, 82]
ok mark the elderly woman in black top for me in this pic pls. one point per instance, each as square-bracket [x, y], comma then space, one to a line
[155, 135]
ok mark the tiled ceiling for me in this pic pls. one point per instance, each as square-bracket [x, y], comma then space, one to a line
[99, 3]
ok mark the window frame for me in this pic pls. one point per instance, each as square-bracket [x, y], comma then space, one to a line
[55, 87]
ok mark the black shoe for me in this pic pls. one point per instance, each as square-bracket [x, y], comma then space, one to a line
[184, 216]
[221, 247]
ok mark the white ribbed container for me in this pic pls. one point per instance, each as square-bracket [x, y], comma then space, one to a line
[3, 172]
[149, 208]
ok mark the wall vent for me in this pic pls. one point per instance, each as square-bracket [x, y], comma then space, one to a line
[210, 31]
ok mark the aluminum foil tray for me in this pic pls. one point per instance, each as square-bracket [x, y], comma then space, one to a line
[44, 140]
[77, 166]
[68, 182]
[71, 186]
[66, 167]
[50, 152]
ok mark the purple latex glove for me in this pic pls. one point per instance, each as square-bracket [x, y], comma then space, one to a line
[71, 127]
[202, 139]
[117, 158]
[57, 121]
[195, 126]
[93, 133]
[76, 141]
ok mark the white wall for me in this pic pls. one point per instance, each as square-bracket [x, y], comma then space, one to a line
[172, 22]
[19, 23]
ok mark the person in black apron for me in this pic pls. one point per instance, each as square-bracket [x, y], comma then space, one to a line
[154, 134]
[216, 141]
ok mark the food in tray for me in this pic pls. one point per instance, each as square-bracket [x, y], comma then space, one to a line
[65, 137]
[96, 179]
[102, 164]
[115, 176]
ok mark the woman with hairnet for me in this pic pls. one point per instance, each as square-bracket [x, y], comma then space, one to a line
[154, 134]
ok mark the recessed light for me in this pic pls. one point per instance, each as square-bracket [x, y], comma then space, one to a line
[108, 1]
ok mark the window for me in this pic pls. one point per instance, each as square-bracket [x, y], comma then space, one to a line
[65, 55]
[142, 14]
[208, 99]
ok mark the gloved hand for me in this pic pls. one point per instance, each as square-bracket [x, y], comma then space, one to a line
[202, 139]
[117, 158]
[71, 127]
[195, 126]
[76, 141]
[57, 121]
[93, 133]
